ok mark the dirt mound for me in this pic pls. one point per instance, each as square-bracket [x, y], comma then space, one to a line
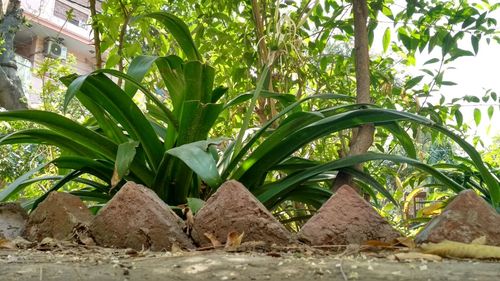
[232, 208]
[137, 218]
[466, 218]
[12, 220]
[344, 219]
[56, 217]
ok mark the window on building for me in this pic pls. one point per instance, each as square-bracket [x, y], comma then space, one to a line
[78, 18]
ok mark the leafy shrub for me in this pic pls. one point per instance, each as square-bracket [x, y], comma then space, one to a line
[167, 148]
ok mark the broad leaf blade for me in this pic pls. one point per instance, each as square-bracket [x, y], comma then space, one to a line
[124, 157]
[198, 158]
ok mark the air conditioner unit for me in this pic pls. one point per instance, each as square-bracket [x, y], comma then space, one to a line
[53, 49]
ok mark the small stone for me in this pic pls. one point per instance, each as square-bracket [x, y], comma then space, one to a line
[12, 220]
[232, 208]
[345, 219]
[465, 219]
[137, 218]
[56, 217]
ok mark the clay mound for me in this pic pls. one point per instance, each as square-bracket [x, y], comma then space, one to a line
[137, 218]
[12, 220]
[56, 217]
[232, 208]
[344, 219]
[466, 218]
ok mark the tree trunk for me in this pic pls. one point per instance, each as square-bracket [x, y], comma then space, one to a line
[362, 137]
[95, 31]
[11, 90]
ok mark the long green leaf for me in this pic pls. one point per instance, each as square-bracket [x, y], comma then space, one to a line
[100, 170]
[243, 151]
[48, 137]
[171, 69]
[254, 168]
[180, 31]
[69, 177]
[73, 88]
[65, 127]
[105, 122]
[123, 109]
[492, 182]
[137, 69]
[285, 99]
[78, 83]
[250, 109]
[280, 189]
[16, 186]
[404, 139]
[308, 194]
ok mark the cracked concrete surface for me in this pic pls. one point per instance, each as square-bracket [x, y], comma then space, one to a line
[111, 264]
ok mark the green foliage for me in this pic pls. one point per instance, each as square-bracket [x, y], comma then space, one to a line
[492, 154]
[287, 147]
[18, 159]
[119, 141]
[49, 71]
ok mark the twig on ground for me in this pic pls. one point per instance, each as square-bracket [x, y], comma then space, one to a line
[342, 272]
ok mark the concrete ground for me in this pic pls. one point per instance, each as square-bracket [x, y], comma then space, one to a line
[98, 264]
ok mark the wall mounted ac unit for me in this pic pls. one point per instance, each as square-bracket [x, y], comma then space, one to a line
[53, 49]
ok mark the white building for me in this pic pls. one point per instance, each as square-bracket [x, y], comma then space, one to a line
[51, 34]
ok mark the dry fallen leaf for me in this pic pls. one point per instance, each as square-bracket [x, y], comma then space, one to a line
[81, 235]
[479, 241]
[213, 239]
[22, 243]
[233, 240]
[115, 179]
[461, 250]
[48, 244]
[416, 256]
[7, 244]
[176, 249]
[377, 244]
[406, 241]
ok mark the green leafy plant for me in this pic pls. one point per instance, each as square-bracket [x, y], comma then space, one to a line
[297, 130]
[120, 141]
[168, 148]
